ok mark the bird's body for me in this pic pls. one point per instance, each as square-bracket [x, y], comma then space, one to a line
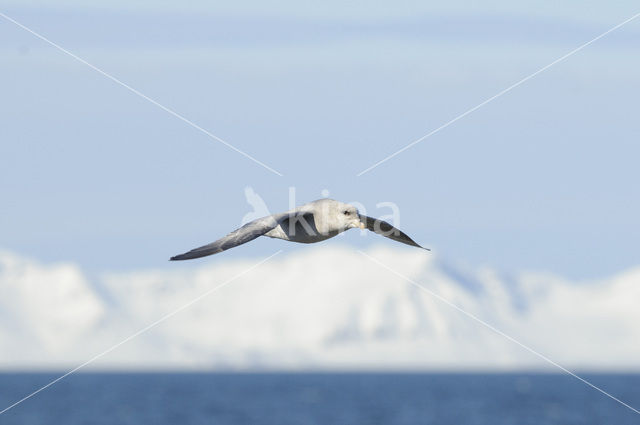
[313, 222]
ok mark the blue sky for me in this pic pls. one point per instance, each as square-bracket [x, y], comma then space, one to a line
[545, 177]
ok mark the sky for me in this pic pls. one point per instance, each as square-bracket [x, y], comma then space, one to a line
[543, 178]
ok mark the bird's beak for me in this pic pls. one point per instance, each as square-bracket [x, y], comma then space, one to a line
[361, 225]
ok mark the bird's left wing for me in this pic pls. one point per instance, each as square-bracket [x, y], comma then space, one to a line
[245, 234]
[385, 229]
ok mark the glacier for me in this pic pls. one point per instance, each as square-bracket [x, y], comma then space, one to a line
[325, 308]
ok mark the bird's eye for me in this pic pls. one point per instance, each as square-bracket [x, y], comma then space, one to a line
[346, 212]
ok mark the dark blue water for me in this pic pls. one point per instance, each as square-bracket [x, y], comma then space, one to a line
[282, 399]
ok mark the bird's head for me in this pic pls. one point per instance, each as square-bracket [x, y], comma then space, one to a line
[343, 216]
[351, 217]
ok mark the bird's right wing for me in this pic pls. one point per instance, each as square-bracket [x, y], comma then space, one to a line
[383, 228]
[245, 234]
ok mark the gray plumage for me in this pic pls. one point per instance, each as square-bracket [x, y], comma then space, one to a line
[313, 222]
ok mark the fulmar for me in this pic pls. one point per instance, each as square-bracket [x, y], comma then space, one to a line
[313, 222]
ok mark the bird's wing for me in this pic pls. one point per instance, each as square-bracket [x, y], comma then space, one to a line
[385, 229]
[245, 234]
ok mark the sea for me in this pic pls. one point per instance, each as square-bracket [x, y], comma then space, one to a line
[319, 398]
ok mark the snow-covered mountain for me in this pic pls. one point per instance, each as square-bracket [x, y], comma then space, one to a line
[327, 307]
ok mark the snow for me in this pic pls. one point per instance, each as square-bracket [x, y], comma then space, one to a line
[315, 308]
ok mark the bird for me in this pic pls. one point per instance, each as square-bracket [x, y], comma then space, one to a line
[309, 223]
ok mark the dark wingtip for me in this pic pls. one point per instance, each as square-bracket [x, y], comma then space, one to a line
[417, 245]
